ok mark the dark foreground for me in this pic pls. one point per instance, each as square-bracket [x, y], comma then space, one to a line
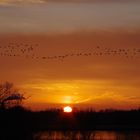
[21, 124]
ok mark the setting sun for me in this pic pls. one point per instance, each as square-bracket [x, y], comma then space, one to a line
[67, 109]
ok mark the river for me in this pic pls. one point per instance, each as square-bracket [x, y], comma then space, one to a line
[88, 135]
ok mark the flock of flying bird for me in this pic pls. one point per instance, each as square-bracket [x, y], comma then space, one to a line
[28, 51]
[16, 49]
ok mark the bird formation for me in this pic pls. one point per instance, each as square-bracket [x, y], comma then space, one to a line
[28, 51]
[17, 49]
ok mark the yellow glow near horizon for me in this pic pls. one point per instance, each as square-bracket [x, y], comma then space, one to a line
[66, 92]
[67, 99]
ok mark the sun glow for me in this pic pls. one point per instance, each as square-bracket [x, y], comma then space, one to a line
[67, 109]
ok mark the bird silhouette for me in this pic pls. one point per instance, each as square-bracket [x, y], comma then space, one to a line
[27, 50]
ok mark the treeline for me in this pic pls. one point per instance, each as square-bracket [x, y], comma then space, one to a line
[21, 124]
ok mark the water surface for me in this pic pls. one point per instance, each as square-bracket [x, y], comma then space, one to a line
[88, 135]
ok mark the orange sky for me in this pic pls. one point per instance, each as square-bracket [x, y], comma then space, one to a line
[95, 81]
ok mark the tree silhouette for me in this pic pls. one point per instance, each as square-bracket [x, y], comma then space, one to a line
[9, 95]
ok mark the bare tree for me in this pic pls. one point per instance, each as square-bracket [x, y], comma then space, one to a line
[9, 95]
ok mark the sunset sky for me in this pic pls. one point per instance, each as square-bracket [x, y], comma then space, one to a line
[61, 27]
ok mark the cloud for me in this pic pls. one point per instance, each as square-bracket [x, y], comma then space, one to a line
[42, 18]
[116, 97]
[11, 2]
[87, 1]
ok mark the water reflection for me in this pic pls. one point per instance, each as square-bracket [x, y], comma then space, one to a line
[88, 135]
